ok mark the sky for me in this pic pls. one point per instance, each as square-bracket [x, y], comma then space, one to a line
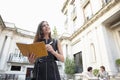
[27, 14]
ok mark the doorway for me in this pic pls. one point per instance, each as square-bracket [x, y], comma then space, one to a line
[29, 74]
[78, 62]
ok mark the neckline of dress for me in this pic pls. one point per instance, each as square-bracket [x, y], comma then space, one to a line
[46, 39]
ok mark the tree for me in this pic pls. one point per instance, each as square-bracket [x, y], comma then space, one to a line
[55, 34]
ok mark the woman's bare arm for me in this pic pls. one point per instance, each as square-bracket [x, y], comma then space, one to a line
[59, 54]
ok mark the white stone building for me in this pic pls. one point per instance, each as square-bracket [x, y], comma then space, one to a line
[92, 34]
[12, 64]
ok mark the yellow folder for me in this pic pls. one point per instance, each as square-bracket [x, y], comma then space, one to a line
[37, 48]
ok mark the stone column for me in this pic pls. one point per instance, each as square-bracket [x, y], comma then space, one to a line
[4, 53]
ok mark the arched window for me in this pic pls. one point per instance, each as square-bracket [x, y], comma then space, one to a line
[93, 53]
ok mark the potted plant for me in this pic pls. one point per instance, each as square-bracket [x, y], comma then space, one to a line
[95, 72]
[118, 63]
[69, 68]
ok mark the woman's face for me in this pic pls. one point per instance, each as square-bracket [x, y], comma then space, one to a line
[45, 28]
[102, 69]
[91, 70]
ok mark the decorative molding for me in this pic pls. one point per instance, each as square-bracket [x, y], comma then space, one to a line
[115, 25]
[64, 38]
[72, 2]
[78, 40]
[64, 5]
[85, 3]
[15, 30]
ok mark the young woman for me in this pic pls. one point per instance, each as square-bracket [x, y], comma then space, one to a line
[103, 74]
[45, 68]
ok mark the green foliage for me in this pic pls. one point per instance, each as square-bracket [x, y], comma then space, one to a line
[55, 33]
[118, 62]
[69, 66]
[95, 72]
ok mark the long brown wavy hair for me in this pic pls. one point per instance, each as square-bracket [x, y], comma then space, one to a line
[39, 34]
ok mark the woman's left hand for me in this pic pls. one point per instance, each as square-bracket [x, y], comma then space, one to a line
[49, 48]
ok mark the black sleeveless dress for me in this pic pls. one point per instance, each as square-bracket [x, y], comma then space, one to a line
[45, 68]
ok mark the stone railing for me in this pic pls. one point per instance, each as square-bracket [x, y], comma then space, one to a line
[14, 57]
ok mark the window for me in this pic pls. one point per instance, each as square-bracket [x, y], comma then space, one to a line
[15, 68]
[87, 11]
[78, 62]
[74, 24]
[66, 23]
[29, 74]
[74, 18]
[74, 13]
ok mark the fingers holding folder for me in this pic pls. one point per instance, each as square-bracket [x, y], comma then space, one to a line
[31, 58]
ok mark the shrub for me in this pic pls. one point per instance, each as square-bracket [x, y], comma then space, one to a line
[118, 62]
[69, 66]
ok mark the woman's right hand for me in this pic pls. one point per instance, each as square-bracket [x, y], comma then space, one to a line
[31, 58]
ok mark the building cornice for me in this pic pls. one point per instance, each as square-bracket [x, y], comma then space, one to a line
[64, 38]
[26, 35]
[2, 23]
[15, 30]
[95, 17]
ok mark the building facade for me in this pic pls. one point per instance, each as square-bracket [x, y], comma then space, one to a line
[92, 35]
[12, 64]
